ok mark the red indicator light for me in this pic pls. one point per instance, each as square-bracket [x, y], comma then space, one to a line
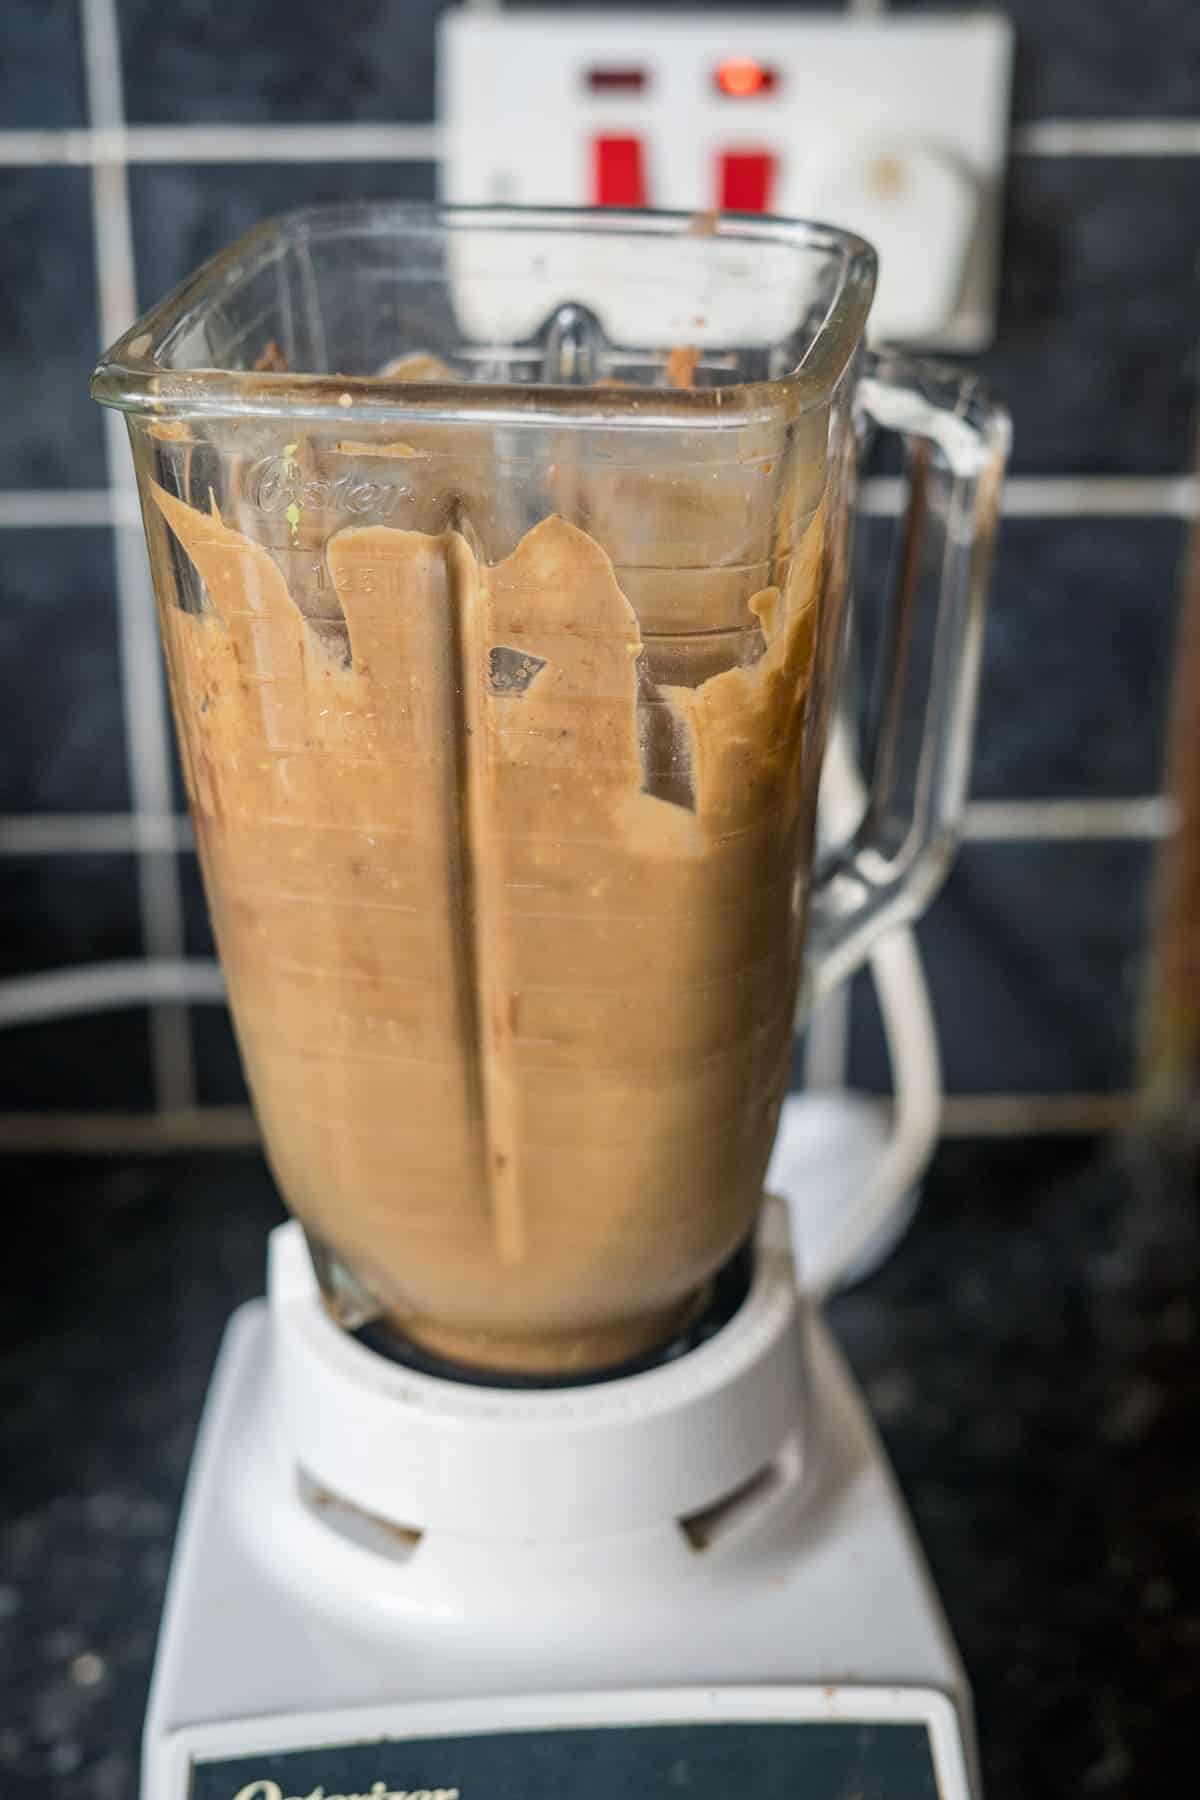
[618, 172]
[746, 180]
[617, 81]
[741, 78]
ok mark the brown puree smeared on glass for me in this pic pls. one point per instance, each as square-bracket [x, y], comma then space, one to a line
[510, 917]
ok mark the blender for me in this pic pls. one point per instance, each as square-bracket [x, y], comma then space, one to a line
[502, 565]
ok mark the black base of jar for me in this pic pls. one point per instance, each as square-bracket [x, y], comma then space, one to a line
[729, 1288]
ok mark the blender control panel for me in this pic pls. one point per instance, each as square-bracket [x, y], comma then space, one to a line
[758, 1759]
[822, 1743]
[893, 127]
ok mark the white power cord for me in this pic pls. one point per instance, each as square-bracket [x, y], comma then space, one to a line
[849, 1199]
[107, 987]
[870, 1224]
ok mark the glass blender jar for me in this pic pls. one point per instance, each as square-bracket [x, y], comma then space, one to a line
[502, 565]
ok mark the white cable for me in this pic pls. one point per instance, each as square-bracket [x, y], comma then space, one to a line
[911, 1037]
[107, 987]
[916, 1119]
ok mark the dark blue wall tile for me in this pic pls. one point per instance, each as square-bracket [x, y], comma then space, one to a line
[57, 911]
[867, 1064]
[1034, 954]
[1077, 660]
[63, 909]
[1076, 680]
[50, 430]
[1079, 59]
[198, 938]
[373, 59]
[41, 68]
[1099, 301]
[182, 214]
[96, 1062]
[219, 1078]
[278, 60]
[62, 748]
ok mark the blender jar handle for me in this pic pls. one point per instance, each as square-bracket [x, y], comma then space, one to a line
[956, 441]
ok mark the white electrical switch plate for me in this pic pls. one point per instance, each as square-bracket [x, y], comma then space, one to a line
[893, 127]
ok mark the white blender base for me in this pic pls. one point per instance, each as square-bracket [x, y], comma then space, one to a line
[311, 1648]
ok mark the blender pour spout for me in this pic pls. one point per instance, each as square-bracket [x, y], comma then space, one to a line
[572, 340]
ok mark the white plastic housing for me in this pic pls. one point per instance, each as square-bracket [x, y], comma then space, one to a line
[292, 1620]
[489, 1463]
[893, 127]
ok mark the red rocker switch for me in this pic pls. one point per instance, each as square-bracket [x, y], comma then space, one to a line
[746, 180]
[618, 172]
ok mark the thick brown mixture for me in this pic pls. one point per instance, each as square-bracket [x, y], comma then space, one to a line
[511, 932]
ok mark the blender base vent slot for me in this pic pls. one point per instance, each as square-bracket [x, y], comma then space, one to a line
[398, 1543]
[706, 1529]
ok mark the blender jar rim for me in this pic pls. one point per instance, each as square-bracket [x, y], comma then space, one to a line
[135, 374]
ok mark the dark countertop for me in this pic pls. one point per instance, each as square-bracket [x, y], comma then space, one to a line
[1032, 1353]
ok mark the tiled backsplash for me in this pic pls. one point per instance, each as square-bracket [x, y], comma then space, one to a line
[1035, 949]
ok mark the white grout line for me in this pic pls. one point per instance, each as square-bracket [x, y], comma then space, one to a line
[1146, 819]
[234, 1128]
[35, 509]
[73, 834]
[1066, 496]
[221, 144]
[1066, 821]
[37, 149]
[1025, 496]
[114, 142]
[1036, 1115]
[1107, 137]
[282, 143]
[122, 1134]
[142, 682]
